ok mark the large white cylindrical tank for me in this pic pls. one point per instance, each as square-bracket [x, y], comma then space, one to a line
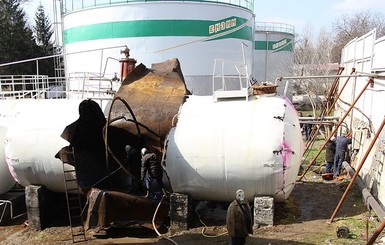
[273, 52]
[6, 179]
[33, 139]
[218, 148]
[195, 32]
[8, 111]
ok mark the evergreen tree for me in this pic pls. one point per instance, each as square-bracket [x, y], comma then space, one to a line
[43, 33]
[16, 39]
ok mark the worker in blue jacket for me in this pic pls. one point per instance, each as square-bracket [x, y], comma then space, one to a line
[342, 143]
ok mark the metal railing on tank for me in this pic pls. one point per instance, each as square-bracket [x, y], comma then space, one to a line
[69, 6]
[44, 87]
[92, 85]
[82, 85]
[230, 85]
[274, 27]
[29, 86]
[231, 79]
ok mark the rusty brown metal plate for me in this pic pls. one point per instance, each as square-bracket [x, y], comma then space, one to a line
[108, 207]
[154, 97]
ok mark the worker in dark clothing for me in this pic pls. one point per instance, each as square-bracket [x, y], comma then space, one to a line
[152, 167]
[329, 155]
[307, 127]
[301, 124]
[132, 163]
[341, 148]
[238, 220]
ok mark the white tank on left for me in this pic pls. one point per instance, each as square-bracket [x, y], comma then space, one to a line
[31, 136]
[8, 111]
[6, 179]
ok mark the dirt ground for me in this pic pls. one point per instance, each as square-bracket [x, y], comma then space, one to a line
[302, 220]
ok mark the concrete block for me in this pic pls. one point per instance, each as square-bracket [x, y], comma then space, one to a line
[180, 211]
[32, 202]
[263, 210]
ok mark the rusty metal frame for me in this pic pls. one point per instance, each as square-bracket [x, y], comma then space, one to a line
[376, 233]
[333, 90]
[342, 89]
[324, 111]
[370, 82]
[358, 170]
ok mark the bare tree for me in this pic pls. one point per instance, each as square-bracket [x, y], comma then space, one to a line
[349, 27]
[312, 57]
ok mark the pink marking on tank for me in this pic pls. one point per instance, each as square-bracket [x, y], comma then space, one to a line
[286, 153]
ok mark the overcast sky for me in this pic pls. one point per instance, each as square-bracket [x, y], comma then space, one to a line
[300, 13]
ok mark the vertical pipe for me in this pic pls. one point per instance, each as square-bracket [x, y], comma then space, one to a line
[37, 67]
[339, 94]
[367, 229]
[353, 93]
[315, 130]
[335, 82]
[223, 76]
[376, 233]
[286, 88]
[332, 91]
[370, 82]
[357, 170]
[266, 53]
[213, 79]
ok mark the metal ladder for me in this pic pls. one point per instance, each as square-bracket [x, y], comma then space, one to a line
[73, 200]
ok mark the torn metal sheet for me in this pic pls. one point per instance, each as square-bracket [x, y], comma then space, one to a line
[154, 97]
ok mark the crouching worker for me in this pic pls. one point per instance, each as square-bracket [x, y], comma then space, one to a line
[238, 220]
[151, 170]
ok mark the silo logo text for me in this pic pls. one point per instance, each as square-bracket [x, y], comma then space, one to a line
[279, 44]
[223, 25]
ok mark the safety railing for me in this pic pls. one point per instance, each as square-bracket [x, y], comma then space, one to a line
[274, 27]
[230, 80]
[23, 86]
[5, 205]
[75, 5]
[92, 85]
[78, 85]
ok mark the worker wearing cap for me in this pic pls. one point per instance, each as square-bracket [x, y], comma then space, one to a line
[238, 220]
[132, 163]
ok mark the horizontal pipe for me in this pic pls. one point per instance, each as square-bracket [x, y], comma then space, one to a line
[372, 75]
[370, 201]
[323, 120]
[317, 118]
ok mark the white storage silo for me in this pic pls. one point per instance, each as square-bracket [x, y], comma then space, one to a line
[273, 52]
[195, 32]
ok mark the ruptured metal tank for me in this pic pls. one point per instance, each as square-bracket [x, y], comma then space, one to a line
[219, 147]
